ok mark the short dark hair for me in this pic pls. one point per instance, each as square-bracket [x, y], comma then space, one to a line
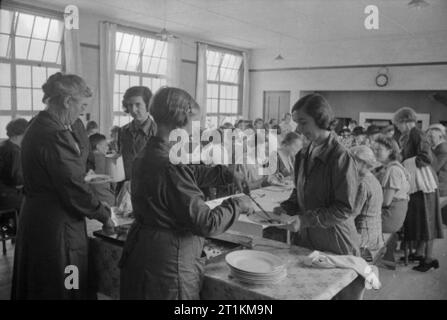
[358, 131]
[390, 144]
[137, 91]
[317, 107]
[373, 129]
[91, 125]
[95, 139]
[16, 127]
[171, 106]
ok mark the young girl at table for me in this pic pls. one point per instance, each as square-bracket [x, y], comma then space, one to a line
[368, 204]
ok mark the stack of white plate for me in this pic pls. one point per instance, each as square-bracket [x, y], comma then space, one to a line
[256, 267]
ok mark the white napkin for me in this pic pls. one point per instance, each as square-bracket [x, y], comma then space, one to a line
[319, 259]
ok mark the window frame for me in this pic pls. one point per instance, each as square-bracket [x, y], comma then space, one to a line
[140, 74]
[13, 62]
[222, 115]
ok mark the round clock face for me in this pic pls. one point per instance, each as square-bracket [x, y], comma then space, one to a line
[382, 80]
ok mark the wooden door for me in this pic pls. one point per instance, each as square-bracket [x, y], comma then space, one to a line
[276, 104]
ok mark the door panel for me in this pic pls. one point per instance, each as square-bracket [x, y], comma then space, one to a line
[276, 104]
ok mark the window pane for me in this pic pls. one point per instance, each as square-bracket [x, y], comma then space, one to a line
[24, 99]
[132, 64]
[55, 32]
[124, 83]
[4, 120]
[118, 38]
[212, 73]
[126, 43]
[22, 47]
[51, 50]
[121, 60]
[25, 25]
[136, 45]
[212, 91]
[134, 81]
[5, 74]
[162, 82]
[36, 50]
[23, 76]
[235, 93]
[37, 100]
[5, 21]
[147, 82]
[153, 68]
[4, 45]
[5, 98]
[41, 27]
[116, 102]
[149, 47]
[39, 76]
[234, 106]
[146, 64]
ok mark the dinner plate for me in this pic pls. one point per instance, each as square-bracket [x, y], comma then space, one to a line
[260, 281]
[98, 178]
[253, 261]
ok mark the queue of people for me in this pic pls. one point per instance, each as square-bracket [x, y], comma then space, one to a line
[373, 184]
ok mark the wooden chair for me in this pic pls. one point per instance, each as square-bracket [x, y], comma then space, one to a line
[5, 215]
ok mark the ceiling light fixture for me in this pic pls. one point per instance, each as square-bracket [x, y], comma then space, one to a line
[279, 57]
[418, 4]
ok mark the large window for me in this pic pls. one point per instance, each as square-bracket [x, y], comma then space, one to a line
[30, 51]
[140, 61]
[223, 87]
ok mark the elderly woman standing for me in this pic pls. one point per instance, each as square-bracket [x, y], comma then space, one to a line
[52, 230]
[423, 221]
[326, 184]
[161, 257]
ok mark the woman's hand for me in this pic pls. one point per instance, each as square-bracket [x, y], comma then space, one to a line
[293, 224]
[109, 227]
[245, 204]
[241, 182]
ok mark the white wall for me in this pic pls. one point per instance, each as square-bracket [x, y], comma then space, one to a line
[267, 74]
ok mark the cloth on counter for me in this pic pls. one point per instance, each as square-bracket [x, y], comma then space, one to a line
[421, 179]
[319, 259]
[124, 201]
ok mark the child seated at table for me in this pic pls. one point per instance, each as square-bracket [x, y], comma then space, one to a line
[104, 191]
[368, 204]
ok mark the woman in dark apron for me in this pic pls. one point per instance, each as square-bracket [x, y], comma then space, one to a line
[52, 239]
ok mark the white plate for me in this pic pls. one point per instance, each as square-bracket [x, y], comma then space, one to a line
[260, 281]
[253, 261]
[98, 178]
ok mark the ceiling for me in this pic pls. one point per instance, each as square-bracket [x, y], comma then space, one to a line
[265, 24]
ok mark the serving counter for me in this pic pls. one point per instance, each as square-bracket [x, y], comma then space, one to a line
[302, 282]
